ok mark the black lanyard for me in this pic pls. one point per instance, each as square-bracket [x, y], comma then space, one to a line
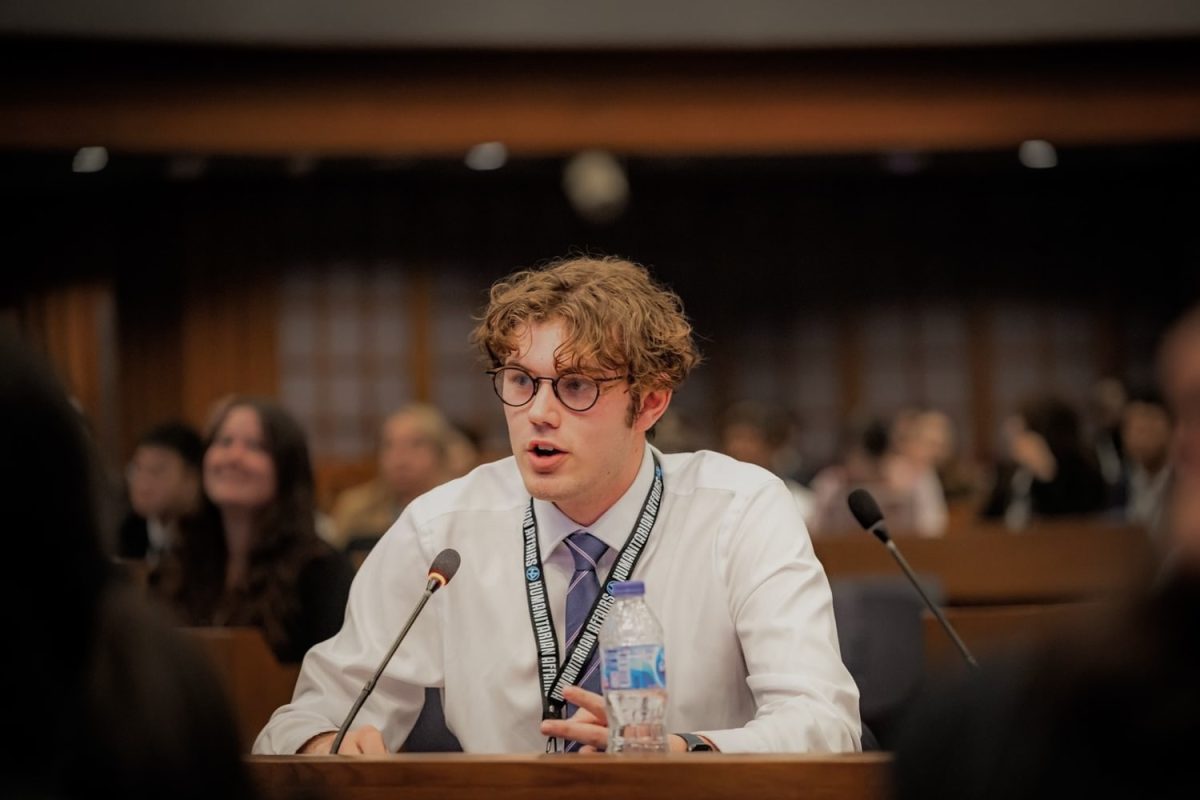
[554, 677]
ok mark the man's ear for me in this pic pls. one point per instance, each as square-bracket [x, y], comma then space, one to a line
[654, 405]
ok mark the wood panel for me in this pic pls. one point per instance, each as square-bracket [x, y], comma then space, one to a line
[149, 343]
[989, 565]
[256, 682]
[441, 103]
[695, 776]
[74, 325]
[420, 315]
[980, 367]
[991, 630]
[229, 340]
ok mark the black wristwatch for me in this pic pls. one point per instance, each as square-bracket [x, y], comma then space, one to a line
[694, 743]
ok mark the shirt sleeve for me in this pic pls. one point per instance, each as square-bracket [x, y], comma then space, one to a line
[383, 594]
[782, 608]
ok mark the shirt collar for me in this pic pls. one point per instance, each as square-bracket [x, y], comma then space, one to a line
[613, 526]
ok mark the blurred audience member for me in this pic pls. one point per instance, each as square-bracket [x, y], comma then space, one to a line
[921, 441]
[1097, 714]
[1146, 433]
[251, 555]
[757, 434]
[1179, 365]
[465, 449]
[1106, 406]
[164, 486]
[111, 699]
[868, 462]
[959, 476]
[418, 450]
[673, 433]
[1049, 472]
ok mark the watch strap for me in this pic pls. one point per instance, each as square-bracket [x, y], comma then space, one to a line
[695, 744]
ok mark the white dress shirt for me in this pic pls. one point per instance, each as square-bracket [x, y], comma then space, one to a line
[751, 647]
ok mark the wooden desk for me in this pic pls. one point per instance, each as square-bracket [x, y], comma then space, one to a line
[990, 629]
[1050, 563]
[695, 776]
[256, 682]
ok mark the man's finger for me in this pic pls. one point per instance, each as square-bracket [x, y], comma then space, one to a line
[582, 732]
[589, 700]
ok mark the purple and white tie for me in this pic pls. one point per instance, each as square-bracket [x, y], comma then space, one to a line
[587, 551]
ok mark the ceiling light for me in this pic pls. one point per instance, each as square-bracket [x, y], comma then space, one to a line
[487, 156]
[90, 159]
[1038, 154]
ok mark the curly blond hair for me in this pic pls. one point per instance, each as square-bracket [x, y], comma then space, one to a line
[618, 321]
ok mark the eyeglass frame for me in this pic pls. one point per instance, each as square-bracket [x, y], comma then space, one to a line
[537, 383]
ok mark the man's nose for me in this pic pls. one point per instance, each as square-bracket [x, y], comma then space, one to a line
[543, 406]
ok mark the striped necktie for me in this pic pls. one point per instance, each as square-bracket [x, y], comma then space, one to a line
[587, 551]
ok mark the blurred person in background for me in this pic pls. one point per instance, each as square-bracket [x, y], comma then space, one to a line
[869, 462]
[1179, 366]
[1106, 406]
[251, 555]
[418, 450]
[1146, 433]
[1108, 712]
[164, 486]
[1049, 471]
[921, 441]
[675, 433]
[113, 701]
[757, 434]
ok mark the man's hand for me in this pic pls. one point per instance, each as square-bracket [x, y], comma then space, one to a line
[588, 725]
[364, 741]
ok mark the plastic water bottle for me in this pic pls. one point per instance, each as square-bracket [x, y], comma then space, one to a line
[633, 673]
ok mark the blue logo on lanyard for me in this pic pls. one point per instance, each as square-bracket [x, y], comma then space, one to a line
[609, 587]
[533, 573]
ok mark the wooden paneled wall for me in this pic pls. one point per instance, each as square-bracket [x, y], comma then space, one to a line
[74, 326]
[187, 340]
[228, 341]
[216, 330]
[441, 103]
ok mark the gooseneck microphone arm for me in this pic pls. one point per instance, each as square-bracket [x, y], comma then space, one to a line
[866, 512]
[440, 573]
[937, 612]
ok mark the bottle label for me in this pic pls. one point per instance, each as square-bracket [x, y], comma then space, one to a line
[639, 666]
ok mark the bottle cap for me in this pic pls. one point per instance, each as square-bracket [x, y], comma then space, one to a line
[628, 588]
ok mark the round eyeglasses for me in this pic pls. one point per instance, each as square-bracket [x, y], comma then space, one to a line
[515, 386]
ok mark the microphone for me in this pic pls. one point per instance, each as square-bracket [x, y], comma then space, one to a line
[866, 511]
[440, 572]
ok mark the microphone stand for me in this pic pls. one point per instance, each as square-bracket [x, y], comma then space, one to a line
[937, 612]
[434, 585]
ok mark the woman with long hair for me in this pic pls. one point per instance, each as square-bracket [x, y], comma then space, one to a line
[251, 555]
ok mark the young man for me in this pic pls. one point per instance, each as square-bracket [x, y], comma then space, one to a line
[164, 486]
[585, 355]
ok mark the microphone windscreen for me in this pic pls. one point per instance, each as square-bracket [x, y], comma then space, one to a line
[865, 509]
[445, 565]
